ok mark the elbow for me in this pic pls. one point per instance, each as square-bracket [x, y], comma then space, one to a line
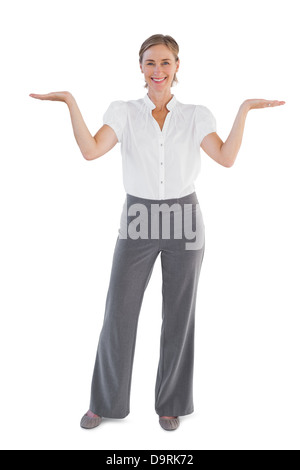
[91, 156]
[90, 153]
[226, 159]
[228, 163]
[88, 156]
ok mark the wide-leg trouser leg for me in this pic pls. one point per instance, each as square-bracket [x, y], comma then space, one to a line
[174, 386]
[132, 266]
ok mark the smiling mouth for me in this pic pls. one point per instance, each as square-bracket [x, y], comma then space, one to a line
[159, 80]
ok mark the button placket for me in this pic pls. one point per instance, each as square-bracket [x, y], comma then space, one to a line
[161, 169]
[162, 135]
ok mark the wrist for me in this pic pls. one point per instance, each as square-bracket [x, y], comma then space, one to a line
[245, 106]
[69, 99]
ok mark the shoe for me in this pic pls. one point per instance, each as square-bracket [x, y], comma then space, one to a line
[169, 424]
[90, 423]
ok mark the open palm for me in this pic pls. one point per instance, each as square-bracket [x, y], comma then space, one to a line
[260, 103]
[54, 96]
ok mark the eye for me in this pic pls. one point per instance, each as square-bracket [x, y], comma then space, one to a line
[151, 63]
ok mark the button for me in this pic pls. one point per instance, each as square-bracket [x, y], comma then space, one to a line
[161, 182]
[161, 163]
[161, 145]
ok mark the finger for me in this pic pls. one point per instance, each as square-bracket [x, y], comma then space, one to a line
[40, 97]
[275, 103]
[34, 95]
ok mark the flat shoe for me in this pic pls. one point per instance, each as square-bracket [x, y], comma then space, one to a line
[169, 424]
[90, 423]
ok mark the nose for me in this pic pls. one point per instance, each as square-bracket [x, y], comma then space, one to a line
[157, 69]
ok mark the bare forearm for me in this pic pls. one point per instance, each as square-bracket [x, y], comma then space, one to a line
[225, 153]
[84, 139]
[231, 146]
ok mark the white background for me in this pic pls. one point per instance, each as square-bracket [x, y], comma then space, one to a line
[60, 216]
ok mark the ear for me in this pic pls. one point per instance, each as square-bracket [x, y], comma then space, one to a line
[178, 64]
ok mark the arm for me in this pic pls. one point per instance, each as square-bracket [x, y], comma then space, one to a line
[226, 152]
[90, 147]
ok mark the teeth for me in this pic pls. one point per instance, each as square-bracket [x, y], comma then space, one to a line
[158, 80]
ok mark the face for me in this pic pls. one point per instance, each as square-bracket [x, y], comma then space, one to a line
[159, 67]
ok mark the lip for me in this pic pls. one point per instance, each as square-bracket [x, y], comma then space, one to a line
[162, 81]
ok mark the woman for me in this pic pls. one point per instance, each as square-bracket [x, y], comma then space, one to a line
[161, 139]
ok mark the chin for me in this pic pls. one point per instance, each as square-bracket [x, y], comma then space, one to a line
[156, 86]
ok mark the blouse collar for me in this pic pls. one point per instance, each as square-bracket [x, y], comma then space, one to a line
[151, 105]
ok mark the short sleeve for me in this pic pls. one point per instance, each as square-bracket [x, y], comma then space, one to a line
[205, 122]
[115, 116]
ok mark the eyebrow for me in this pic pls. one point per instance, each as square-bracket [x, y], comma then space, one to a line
[151, 60]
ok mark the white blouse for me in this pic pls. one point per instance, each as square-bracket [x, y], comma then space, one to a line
[159, 164]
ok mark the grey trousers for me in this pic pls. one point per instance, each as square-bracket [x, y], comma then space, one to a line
[132, 266]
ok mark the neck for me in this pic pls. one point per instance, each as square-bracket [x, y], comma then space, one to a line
[160, 99]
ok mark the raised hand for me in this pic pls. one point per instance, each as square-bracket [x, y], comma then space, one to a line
[259, 103]
[55, 96]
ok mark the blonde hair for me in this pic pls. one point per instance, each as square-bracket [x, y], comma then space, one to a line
[160, 39]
